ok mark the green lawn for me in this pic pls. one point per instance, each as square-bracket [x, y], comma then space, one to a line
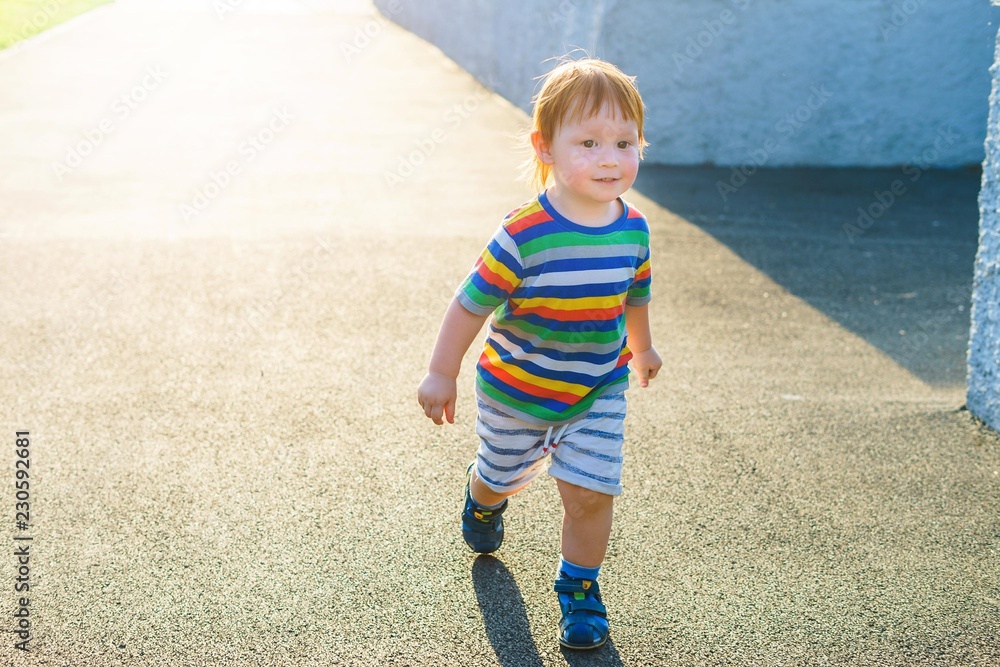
[20, 19]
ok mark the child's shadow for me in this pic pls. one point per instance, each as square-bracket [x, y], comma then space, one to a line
[506, 621]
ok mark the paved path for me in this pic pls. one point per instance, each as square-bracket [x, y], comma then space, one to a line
[227, 244]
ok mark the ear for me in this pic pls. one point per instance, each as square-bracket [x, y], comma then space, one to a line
[542, 149]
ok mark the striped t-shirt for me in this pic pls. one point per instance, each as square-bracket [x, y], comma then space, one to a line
[557, 291]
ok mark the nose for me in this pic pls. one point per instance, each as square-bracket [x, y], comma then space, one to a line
[607, 157]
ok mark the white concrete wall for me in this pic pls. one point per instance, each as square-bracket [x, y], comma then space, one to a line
[984, 341]
[728, 82]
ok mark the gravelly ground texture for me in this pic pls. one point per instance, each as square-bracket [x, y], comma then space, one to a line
[214, 322]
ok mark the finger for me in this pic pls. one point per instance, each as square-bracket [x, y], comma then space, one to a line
[643, 374]
[436, 414]
[449, 411]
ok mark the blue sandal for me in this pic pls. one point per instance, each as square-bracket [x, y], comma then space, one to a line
[584, 622]
[482, 529]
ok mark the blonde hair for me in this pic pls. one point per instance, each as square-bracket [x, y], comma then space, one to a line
[575, 90]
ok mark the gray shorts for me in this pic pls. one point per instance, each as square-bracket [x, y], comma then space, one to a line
[586, 452]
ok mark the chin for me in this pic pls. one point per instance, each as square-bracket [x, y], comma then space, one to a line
[611, 194]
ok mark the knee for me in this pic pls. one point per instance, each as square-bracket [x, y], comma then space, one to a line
[579, 502]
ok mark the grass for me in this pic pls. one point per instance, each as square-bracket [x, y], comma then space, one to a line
[21, 19]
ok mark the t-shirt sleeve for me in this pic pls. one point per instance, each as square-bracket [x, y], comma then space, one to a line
[638, 292]
[495, 276]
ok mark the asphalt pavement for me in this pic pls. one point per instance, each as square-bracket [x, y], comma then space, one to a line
[229, 232]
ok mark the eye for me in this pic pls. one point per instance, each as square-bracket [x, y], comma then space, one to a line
[624, 144]
[589, 143]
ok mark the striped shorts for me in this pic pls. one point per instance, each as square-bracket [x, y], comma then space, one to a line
[586, 452]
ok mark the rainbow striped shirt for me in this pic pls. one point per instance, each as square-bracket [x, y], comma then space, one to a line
[557, 291]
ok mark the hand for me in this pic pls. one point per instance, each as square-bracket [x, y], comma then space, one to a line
[646, 365]
[436, 395]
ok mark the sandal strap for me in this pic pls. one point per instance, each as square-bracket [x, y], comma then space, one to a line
[478, 526]
[587, 604]
[582, 595]
[566, 585]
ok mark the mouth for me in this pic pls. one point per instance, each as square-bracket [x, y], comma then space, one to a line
[606, 180]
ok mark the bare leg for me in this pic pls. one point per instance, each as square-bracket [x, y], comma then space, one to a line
[484, 495]
[586, 524]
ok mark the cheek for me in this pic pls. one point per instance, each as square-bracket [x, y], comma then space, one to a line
[575, 166]
[630, 164]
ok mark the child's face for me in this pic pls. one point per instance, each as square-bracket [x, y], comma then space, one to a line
[594, 160]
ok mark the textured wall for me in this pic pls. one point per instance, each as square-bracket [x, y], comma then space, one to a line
[984, 340]
[775, 82]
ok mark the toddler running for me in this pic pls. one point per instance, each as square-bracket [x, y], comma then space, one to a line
[565, 281]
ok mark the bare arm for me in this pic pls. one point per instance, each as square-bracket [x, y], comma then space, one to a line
[645, 360]
[438, 390]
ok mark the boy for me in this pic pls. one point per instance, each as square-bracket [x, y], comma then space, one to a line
[566, 279]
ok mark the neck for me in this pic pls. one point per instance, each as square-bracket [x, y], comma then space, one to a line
[586, 213]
